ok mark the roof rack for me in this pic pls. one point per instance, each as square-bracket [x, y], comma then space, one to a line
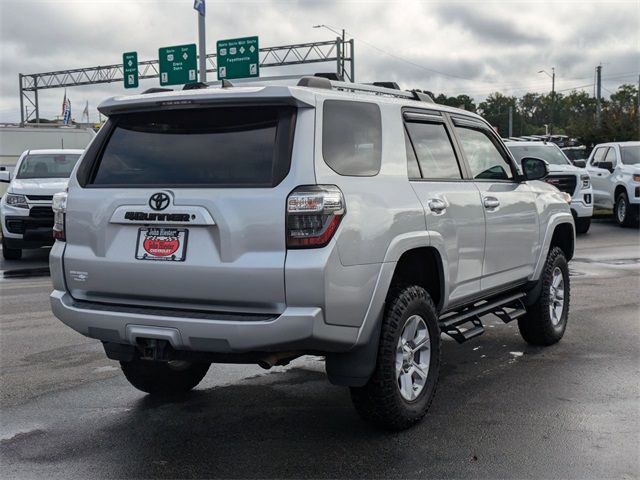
[319, 82]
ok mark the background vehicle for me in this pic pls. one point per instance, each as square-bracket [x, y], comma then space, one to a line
[564, 176]
[14, 140]
[25, 210]
[261, 223]
[577, 155]
[615, 172]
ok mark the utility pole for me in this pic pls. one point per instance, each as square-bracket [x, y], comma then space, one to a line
[553, 96]
[551, 75]
[199, 5]
[598, 95]
[510, 121]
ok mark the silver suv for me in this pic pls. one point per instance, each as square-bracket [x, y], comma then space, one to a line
[260, 223]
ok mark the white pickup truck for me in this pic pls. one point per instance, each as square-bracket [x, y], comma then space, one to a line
[615, 173]
[25, 210]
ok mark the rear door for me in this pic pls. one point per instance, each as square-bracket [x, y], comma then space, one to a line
[452, 205]
[186, 208]
[509, 207]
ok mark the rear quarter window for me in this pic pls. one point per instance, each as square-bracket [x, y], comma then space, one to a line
[352, 137]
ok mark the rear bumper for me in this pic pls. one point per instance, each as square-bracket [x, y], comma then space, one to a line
[297, 328]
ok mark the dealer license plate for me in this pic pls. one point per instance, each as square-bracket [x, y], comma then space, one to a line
[162, 244]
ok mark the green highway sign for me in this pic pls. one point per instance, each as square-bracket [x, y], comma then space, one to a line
[130, 69]
[178, 65]
[238, 58]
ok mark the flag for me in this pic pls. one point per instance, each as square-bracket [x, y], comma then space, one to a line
[85, 112]
[199, 6]
[64, 102]
[66, 109]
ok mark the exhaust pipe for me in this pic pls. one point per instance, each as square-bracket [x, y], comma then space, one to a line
[278, 358]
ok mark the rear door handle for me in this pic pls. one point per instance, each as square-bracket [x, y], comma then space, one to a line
[437, 205]
[491, 202]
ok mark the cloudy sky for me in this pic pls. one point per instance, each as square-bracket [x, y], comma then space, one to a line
[451, 46]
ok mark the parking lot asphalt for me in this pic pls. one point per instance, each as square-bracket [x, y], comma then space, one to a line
[503, 409]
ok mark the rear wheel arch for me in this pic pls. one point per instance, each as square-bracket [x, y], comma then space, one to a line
[563, 237]
[422, 267]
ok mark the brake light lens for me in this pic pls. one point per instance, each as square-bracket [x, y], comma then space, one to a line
[313, 215]
[59, 207]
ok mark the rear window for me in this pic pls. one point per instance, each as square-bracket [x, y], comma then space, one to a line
[352, 137]
[228, 147]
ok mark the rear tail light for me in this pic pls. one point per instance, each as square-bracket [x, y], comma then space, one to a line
[313, 215]
[59, 207]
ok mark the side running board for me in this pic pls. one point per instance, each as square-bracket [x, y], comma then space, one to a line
[466, 324]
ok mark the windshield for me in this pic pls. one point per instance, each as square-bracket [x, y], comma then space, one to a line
[630, 155]
[550, 153]
[50, 165]
[575, 153]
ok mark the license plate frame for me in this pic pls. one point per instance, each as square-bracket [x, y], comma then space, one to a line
[162, 244]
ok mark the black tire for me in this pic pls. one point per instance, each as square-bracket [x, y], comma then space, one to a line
[626, 215]
[380, 401]
[583, 224]
[539, 326]
[163, 378]
[11, 253]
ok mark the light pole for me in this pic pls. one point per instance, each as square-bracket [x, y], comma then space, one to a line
[551, 75]
[342, 53]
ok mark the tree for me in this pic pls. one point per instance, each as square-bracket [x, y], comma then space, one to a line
[495, 109]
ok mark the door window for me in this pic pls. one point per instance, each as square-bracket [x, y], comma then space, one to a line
[612, 157]
[485, 160]
[598, 156]
[435, 153]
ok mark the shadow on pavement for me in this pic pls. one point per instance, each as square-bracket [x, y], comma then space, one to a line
[34, 263]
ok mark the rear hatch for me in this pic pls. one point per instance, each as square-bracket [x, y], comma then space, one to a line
[185, 208]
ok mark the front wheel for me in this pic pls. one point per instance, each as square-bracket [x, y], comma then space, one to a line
[164, 378]
[583, 224]
[546, 320]
[11, 253]
[403, 384]
[624, 211]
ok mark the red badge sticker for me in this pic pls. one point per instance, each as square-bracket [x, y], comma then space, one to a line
[161, 247]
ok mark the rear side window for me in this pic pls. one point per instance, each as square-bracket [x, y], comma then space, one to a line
[434, 150]
[227, 147]
[352, 137]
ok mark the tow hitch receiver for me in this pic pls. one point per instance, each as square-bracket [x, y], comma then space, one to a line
[153, 349]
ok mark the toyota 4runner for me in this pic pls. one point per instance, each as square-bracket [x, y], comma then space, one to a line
[259, 223]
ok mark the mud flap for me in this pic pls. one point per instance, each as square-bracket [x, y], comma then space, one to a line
[355, 367]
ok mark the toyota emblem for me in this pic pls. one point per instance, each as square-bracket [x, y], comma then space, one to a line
[159, 201]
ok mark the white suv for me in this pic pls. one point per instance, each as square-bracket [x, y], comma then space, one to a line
[563, 175]
[615, 171]
[25, 210]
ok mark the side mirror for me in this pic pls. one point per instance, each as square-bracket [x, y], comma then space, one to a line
[5, 176]
[606, 166]
[534, 168]
[580, 163]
